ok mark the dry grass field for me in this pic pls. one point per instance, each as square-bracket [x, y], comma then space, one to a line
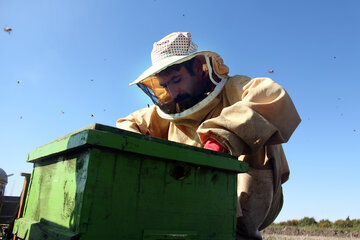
[309, 228]
[287, 237]
[290, 233]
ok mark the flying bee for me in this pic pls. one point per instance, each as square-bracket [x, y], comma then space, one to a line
[271, 71]
[7, 29]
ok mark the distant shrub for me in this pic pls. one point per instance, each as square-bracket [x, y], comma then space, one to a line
[292, 223]
[343, 223]
[283, 223]
[324, 223]
[289, 223]
[356, 223]
[306, 221]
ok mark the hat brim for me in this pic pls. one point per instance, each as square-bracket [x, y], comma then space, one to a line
[163, 64]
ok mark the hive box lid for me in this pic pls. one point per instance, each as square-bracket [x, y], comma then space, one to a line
[98, 135]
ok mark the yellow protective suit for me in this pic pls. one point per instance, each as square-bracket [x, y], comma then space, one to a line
[251, 118]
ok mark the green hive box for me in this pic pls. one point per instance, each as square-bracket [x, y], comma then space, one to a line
[105, 183]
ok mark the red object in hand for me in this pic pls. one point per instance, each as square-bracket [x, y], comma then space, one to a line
[212, 144]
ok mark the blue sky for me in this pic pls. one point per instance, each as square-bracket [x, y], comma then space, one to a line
[67, 64]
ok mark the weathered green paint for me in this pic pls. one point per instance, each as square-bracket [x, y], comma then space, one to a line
[105, 183]
[131, 142]
[154, 235]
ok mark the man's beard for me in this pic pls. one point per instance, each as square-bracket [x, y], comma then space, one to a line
[186, 101]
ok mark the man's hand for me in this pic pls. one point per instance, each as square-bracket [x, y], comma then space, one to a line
[212, 144]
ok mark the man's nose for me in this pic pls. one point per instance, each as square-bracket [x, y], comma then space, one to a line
[174, 91]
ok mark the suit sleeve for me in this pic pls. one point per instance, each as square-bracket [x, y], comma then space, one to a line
[259, 112]
[145, 121]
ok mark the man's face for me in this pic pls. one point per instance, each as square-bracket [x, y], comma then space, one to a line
[183, 87]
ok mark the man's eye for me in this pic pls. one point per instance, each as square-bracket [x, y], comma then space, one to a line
[177, 80]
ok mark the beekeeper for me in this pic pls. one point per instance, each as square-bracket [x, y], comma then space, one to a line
[197, 103]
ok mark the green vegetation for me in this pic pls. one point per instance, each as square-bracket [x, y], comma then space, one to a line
[311, 223]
